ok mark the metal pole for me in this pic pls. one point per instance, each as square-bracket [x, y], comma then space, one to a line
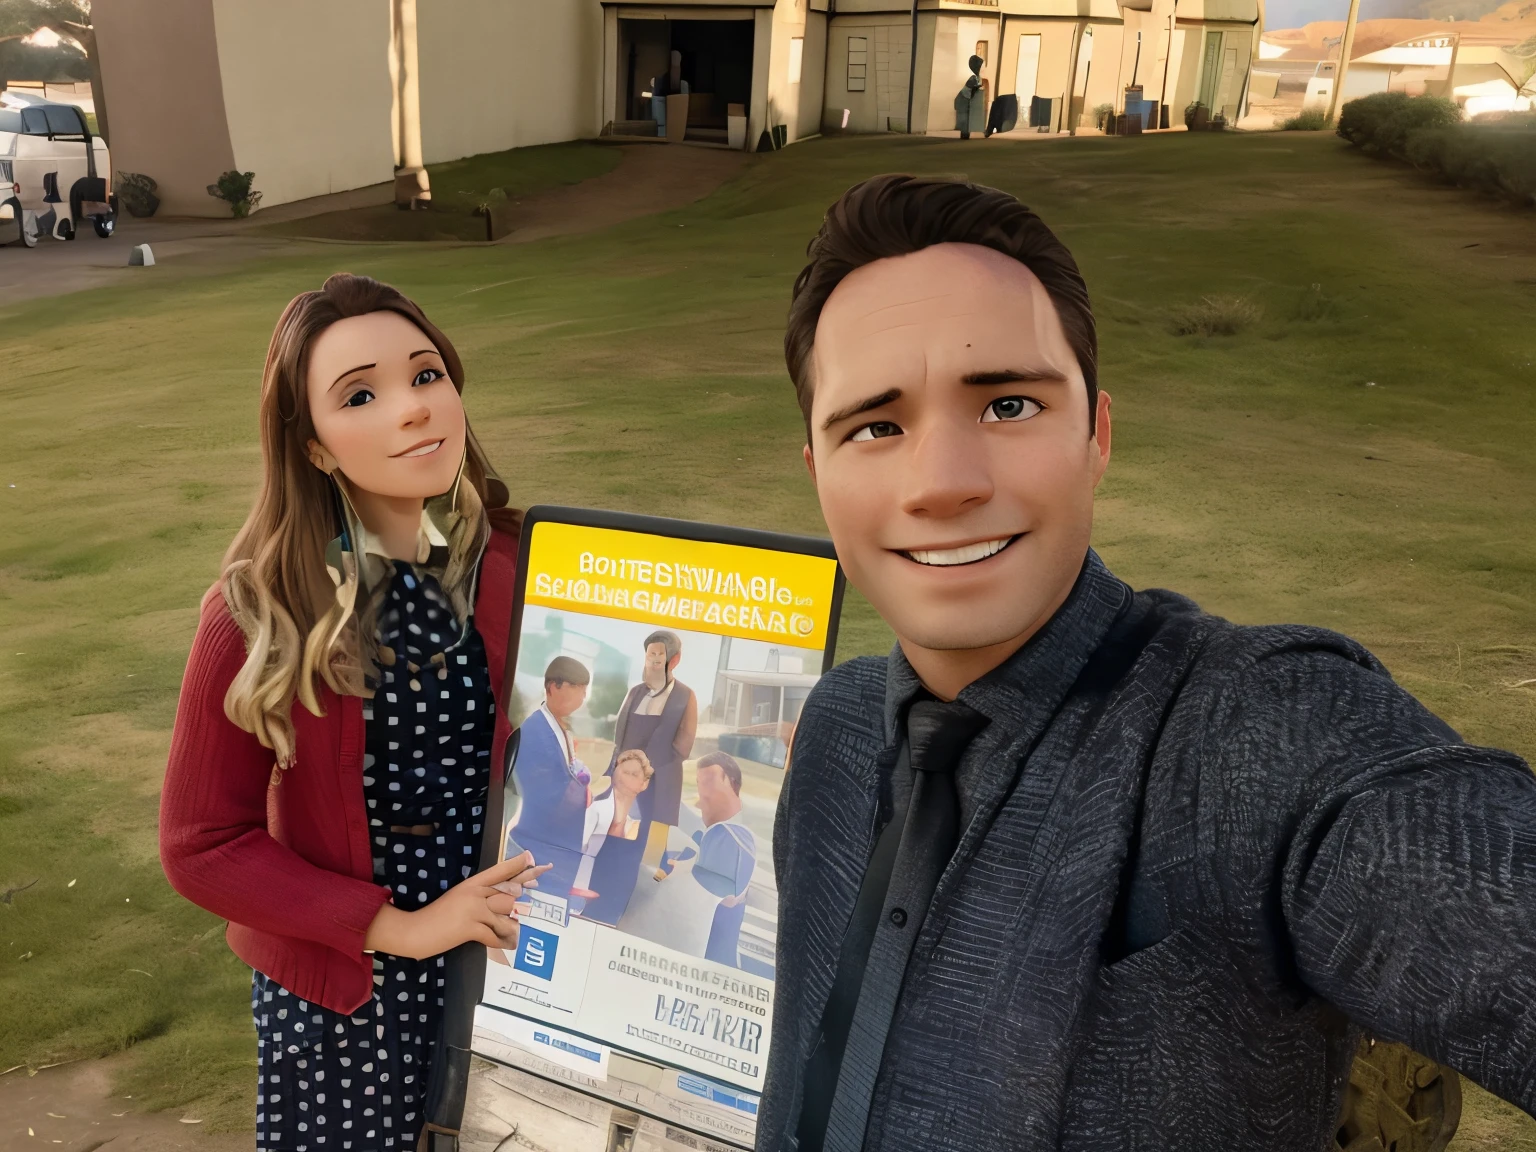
[1162, 95]
[1345, 49]
[1450, 75]
[912, 68]
[1085, 37]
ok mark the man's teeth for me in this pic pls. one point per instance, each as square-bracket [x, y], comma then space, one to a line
[425, 448]
[966, 555]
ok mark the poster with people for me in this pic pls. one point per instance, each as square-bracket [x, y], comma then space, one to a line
[656, 673]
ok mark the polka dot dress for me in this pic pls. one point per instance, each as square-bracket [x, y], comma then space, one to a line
[329, 1081]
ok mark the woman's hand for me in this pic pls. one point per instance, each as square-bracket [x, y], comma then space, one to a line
[482, 908]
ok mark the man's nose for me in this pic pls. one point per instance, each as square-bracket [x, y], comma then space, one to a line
[947, 472]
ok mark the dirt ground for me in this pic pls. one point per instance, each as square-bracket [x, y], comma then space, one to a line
[73, 1107]
[650, 178]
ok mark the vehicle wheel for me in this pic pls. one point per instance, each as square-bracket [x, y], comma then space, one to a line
[26, 224]
[105, 226]
[1398, 1099]
[65, 230]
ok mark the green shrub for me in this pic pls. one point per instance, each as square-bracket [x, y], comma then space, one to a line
[1360, 119]
[1215, 316]
[1101, 112]
[1382, 122]
[1498, 158]
[1312, 120]
[235, 189]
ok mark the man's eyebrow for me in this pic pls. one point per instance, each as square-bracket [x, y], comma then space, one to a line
[424, 352]
[862, 406]
[348, 372]
[1013, 376]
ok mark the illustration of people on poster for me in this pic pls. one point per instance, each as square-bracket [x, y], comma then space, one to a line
[657, 684]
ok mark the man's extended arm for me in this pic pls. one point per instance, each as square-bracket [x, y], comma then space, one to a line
[1409, 890]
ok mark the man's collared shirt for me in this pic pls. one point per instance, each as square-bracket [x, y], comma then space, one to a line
[653, 703]
[560, 733]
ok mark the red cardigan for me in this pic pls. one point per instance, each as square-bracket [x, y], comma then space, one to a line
[286, 859]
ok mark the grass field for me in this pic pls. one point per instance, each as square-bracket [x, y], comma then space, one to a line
[1358, 455]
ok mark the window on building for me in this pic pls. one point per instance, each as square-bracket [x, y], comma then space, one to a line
[796, 54]
[858, 62]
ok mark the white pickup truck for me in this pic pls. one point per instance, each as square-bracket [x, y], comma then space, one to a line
[54, 174]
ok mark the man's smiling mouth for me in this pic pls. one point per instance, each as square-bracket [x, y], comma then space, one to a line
[965, 554]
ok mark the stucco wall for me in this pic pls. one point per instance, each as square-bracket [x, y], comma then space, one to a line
[498, 74]
[1055, 56]
[888, 42]
[1099, 78]
[797, 106]
[160, 64]
[306, 93]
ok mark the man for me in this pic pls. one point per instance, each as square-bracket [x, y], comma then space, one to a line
[551, 781]
[659, 716]
[1077, 867]
[971, 101]
[727, 853]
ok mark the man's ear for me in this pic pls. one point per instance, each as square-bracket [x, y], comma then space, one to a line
[1101, 438]
[810, 462]
[672, 663]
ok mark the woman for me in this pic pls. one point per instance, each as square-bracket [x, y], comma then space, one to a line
[329, 765]
[608, 817]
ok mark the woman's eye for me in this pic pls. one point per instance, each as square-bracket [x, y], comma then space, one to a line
[1010, 408]
[427, 375]
[358, 398]
[876, 430]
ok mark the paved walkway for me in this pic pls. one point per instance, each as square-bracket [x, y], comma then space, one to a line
[649, 178]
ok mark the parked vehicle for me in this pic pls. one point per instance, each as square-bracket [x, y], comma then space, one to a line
[10, 210]
[58, 170]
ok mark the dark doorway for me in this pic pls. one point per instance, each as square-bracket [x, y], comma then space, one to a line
[717, 62]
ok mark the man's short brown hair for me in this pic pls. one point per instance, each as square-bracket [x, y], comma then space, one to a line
[727, 765]
[565, 670]
[895, 215]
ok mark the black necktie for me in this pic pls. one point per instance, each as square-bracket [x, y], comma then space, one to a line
[853, 1042]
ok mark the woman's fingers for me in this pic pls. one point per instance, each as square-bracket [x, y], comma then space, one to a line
[502, 903]
[504, 870]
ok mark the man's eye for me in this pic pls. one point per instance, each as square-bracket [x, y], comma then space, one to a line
[876, 430]
[1010, 408]
[358, 398]
[427, 375]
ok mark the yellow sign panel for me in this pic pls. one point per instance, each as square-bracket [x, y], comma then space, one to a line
[725, 589]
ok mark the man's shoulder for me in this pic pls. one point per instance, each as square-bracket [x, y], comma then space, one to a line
[1227, 648]
[853, 691]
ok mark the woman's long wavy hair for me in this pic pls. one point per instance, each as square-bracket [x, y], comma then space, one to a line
[298, 630]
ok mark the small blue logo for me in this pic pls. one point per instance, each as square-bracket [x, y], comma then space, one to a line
[536, 952]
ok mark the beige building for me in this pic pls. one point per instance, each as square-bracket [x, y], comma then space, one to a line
[309, 96]
[318, 98]
[1037, 50]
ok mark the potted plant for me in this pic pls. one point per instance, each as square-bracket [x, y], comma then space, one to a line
[235, 189]
[137, 193]
[1196, 117]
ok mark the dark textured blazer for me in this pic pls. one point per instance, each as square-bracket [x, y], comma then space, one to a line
[1196, 859]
